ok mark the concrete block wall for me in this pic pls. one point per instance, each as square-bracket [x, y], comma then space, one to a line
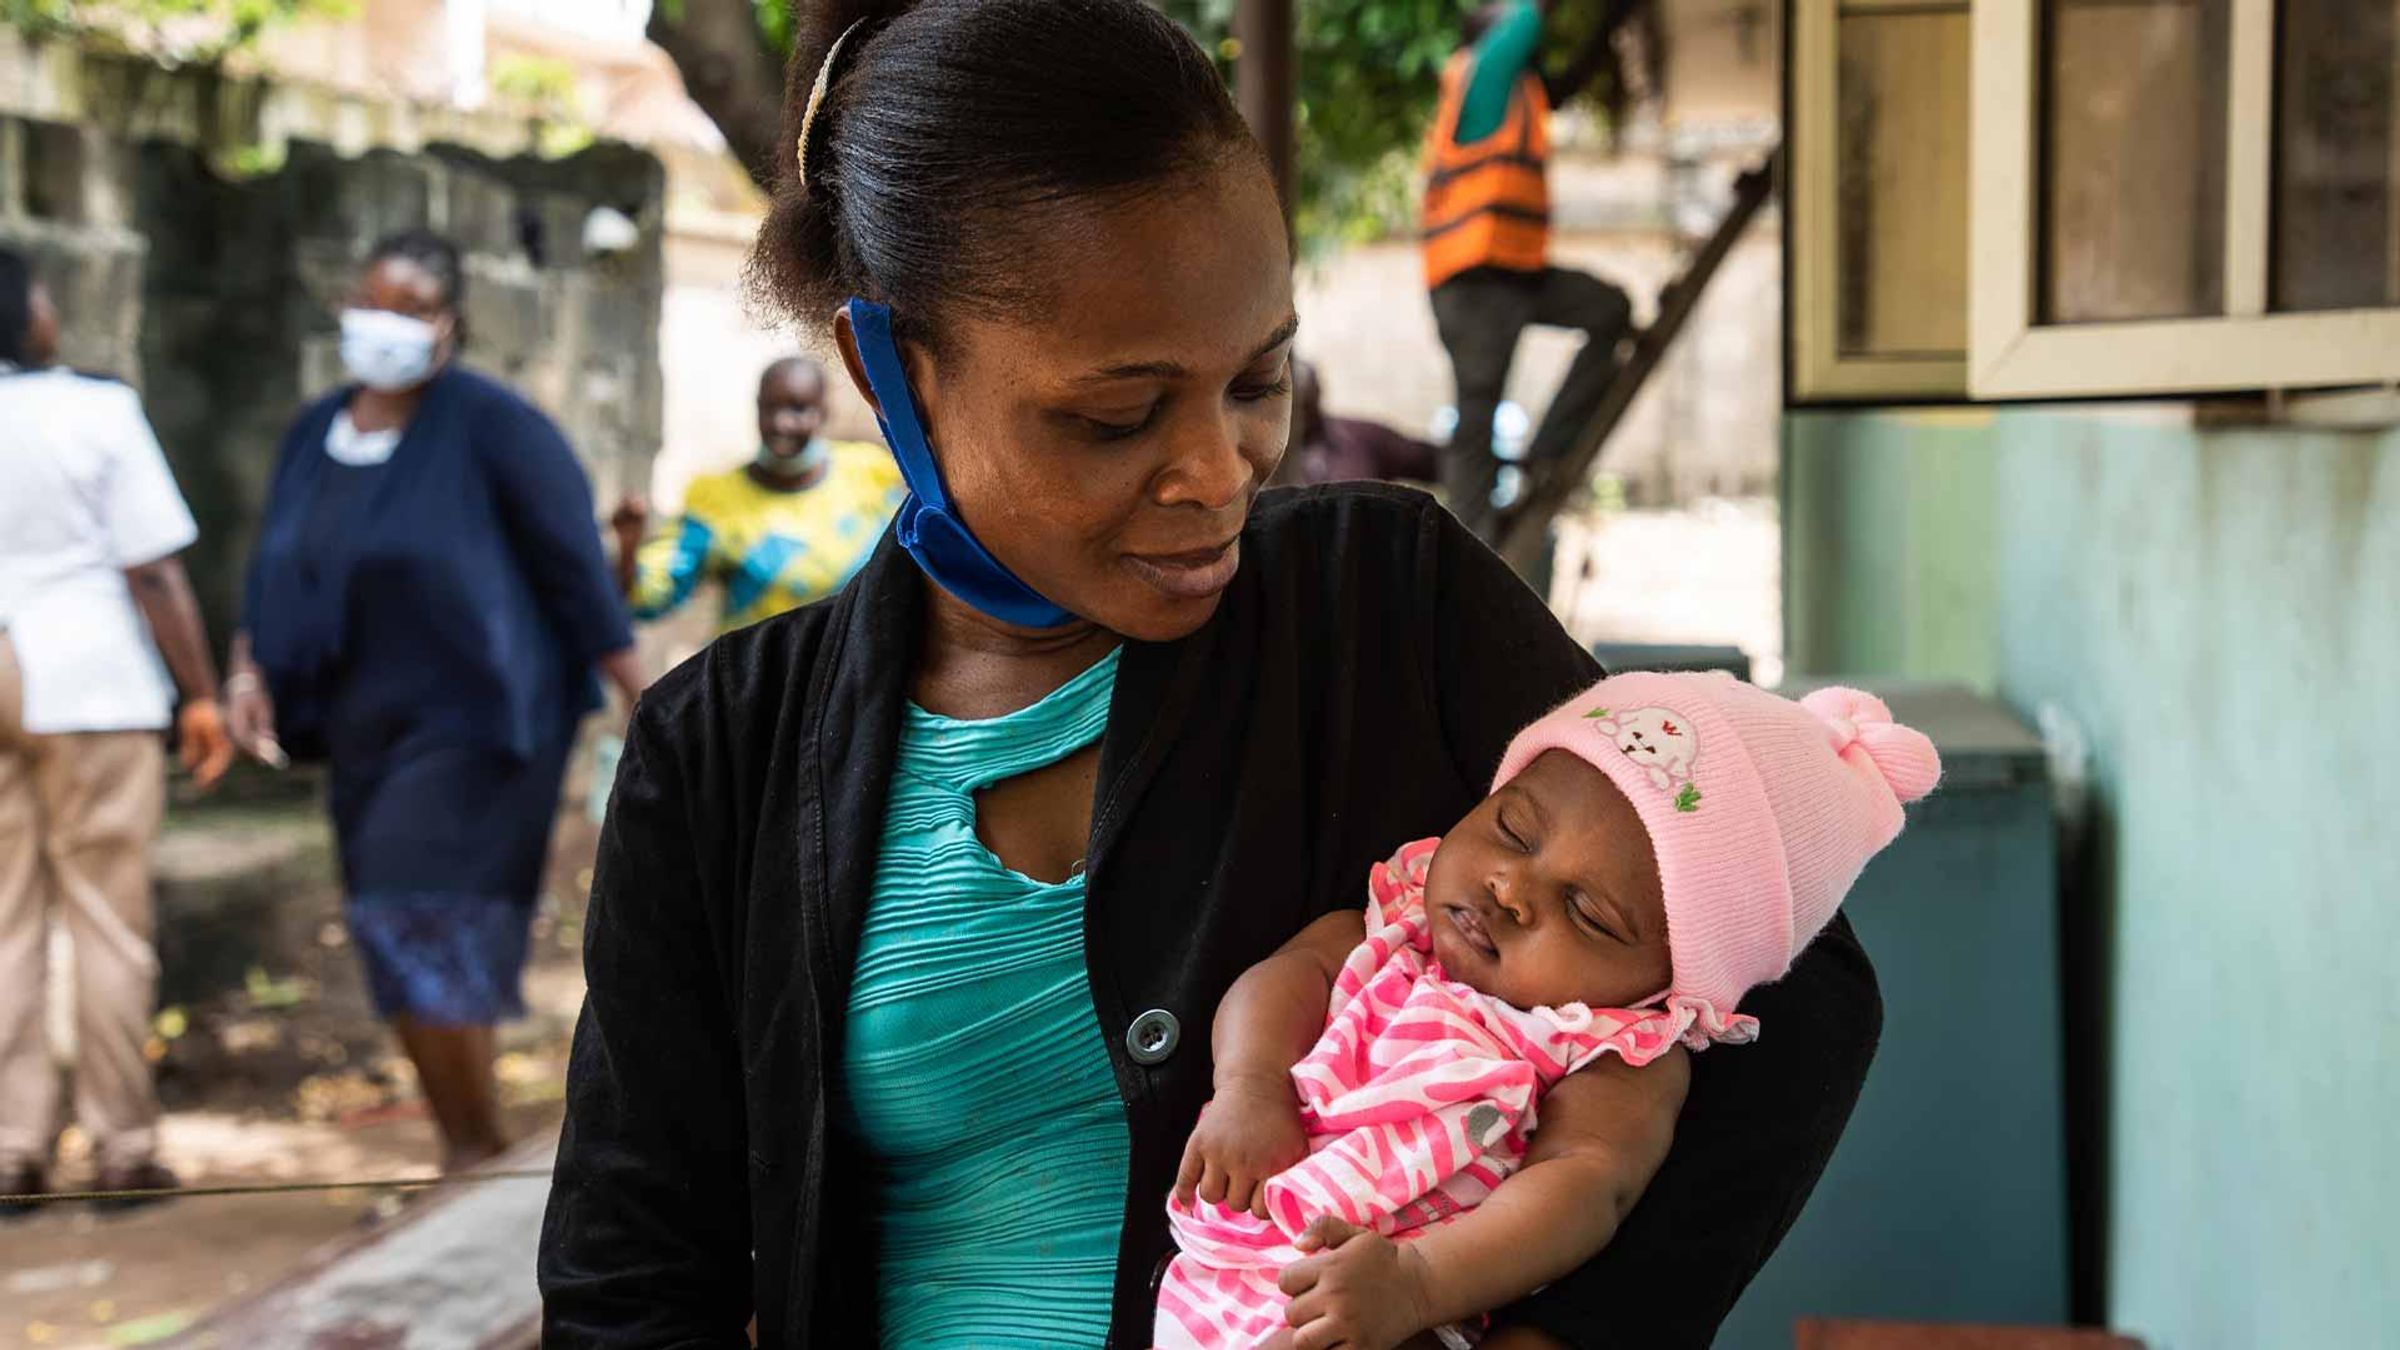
[217, 295]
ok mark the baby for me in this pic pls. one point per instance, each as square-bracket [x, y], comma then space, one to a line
[1369, 1170]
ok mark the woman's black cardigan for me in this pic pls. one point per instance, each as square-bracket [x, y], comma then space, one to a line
[1354, 692]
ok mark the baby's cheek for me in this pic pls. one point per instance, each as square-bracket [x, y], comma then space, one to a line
[1448, 857]
[1620, 979]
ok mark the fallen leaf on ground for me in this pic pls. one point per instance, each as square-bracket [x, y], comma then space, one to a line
[342, 1096]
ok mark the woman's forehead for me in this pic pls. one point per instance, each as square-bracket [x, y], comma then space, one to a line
[401, 279]
[1192, 280]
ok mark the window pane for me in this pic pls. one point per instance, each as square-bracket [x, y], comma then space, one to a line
[1903, 155]
[2133, 216]
[2337, 156]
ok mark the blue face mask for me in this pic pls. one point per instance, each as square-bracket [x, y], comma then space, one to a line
[928, 526]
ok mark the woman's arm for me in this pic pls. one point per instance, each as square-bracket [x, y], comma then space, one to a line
[622, 668]
[1602, 1136]
[1757, 1128]
[1266, 1023]
[546, 504]
[647, 1238]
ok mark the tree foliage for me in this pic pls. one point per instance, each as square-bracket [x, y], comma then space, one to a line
[174, 30]
[1369, 81]
[1369, 76]
[1369, 71]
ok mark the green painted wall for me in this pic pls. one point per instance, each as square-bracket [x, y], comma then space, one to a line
[2219, 610]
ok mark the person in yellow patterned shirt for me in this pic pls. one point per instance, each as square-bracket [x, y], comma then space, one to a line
[785, 530]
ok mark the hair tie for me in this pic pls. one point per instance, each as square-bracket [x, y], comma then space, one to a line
[816, 99]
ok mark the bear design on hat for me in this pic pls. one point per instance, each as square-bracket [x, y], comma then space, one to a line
[1662, 741]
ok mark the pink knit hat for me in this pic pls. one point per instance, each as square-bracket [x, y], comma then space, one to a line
[1762, 812]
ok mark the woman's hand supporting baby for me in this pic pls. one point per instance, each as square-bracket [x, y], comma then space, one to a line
[1264, 1026]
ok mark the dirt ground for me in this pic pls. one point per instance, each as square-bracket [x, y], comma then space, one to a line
[274, 1071]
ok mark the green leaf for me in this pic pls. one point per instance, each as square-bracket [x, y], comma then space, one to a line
[774, 24]
[1688, 800]
[1369, 73]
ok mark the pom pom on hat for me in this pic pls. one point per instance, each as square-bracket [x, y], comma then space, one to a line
[1858, 720]
[1762, 812]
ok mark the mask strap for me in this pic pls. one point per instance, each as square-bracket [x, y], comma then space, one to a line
[928, 525]
[896, 404]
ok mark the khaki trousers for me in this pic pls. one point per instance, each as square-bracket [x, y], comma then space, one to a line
[78, 814]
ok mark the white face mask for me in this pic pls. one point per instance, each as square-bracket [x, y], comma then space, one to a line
[387, 351]
[812, 457]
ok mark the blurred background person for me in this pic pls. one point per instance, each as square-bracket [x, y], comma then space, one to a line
[782, 531]
[426, 609]
[92, 595]
[1486, 227]
[1343, 449]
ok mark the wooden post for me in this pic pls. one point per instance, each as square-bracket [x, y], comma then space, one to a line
[1266, 86]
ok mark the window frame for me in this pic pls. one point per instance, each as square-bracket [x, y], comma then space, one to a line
[1817, 371]
[2012, 356]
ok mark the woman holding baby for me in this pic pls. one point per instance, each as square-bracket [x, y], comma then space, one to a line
[915, 908]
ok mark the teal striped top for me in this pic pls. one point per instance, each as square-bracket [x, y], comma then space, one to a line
[975, 1076]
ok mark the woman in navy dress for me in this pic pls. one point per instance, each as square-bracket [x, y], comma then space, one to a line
[427, 608]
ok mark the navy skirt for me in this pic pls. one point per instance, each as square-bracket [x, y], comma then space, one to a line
[442, 849]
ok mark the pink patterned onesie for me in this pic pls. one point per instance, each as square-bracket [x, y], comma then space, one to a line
[1418, 1100]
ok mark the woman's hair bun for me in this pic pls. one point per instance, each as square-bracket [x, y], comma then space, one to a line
[952, 132]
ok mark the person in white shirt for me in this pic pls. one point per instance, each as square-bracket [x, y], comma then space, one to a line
[96, 617]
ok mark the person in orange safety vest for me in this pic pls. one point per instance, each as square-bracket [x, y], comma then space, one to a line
[1486, 224]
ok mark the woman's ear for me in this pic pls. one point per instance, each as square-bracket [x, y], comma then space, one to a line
[845, 338]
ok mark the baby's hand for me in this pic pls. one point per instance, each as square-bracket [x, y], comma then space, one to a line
[1250, 1132]
[1361, 1290]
